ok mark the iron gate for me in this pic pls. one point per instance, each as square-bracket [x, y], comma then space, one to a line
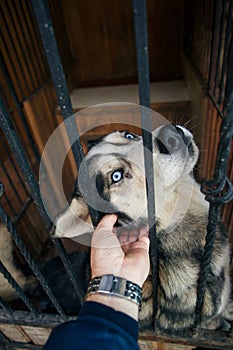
[218, 191]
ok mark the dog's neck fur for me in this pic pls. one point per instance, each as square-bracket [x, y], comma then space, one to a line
[177, 206]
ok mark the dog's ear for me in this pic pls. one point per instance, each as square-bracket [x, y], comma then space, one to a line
[75, 221]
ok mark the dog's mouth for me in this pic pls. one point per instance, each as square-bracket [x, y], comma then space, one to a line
[127, 224]
[123, 220]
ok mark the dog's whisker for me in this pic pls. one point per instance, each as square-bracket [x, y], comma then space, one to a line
[189, 121]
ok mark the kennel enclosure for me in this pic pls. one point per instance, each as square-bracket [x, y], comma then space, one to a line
[210, 57]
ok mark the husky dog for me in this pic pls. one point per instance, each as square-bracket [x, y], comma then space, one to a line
[116, 168]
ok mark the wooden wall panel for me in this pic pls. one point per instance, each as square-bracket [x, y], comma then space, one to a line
[21, 47]
[207, 40]
[101, 36]
[24, 64]
[165, 32]
[198, 33]
[14, 333]
[40, 112]
[59, 25]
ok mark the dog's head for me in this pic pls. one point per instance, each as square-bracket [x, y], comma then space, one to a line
[118, 184]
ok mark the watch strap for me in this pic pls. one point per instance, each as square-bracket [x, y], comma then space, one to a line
[115, 286]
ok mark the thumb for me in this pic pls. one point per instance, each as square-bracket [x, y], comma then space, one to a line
[107, 222]
[103, 236]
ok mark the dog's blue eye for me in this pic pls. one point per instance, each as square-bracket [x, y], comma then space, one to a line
[129, 136]
[117, 176]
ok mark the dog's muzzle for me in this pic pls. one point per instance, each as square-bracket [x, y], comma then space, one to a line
[171, 139]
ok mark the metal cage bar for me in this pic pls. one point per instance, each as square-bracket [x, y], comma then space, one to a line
[18, 106]
[46, 30]
[21, 159]
[226, 50]
[12, 209]
[16, 214]
[6, 308]
[221, 43]
[32, 185]
[12, 161]
[15, 53]
[24, 56]
[141, 39]
[218, 68]
[218, 191]
[11, 182]
[18, 290]
[216, 196]
[28, 257]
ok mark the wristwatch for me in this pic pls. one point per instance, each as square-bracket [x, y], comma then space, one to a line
[115, 286]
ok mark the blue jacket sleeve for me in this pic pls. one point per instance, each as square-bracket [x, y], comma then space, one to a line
[97, 326]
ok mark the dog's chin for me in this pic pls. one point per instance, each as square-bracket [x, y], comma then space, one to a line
[123, 220]
[125, 223]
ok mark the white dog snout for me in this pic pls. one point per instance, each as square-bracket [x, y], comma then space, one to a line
[171, 138]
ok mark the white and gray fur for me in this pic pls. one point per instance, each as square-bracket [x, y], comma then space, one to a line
[116, 165]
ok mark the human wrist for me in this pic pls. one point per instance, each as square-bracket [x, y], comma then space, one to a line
[118, 304]
[115, 291]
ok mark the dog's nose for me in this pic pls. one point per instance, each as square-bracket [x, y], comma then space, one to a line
[171, 138]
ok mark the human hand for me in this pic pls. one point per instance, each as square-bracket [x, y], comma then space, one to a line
[126, 257]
